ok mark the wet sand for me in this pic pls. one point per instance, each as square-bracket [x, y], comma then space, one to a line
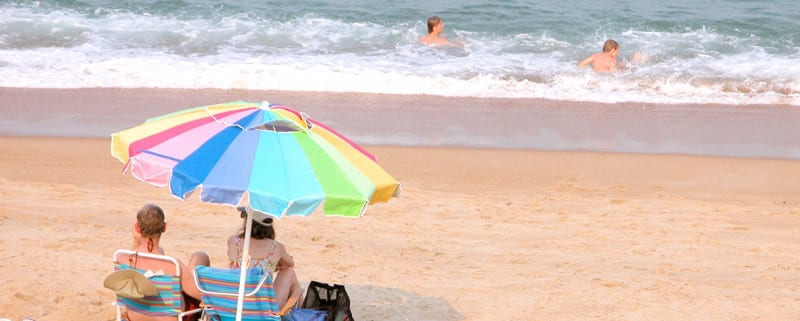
[417, 120]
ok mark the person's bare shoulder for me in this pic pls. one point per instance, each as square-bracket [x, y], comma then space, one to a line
[233, 240]
[602, 62]
[280, 247]
[438, 41]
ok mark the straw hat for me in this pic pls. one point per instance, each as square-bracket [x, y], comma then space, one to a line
[130, 284]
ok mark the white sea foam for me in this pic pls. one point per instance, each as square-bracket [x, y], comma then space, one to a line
[121, 48]
[58, 68]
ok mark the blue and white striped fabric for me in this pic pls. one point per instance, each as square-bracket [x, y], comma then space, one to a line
[262, 306]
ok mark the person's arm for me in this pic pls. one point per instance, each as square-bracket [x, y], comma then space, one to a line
[443, 41]
[454, 44]
[585, 62]
[638, 58]
[286, 260]
[187, 282]
[233, 250]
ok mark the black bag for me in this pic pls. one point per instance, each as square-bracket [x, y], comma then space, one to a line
[329, 298]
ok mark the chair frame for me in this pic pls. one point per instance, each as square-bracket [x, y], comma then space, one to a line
[156, 257]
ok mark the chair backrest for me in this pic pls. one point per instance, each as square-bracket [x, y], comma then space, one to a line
[220, 288]
[168, 302]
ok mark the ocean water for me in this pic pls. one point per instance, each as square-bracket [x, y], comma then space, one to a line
[726, 51]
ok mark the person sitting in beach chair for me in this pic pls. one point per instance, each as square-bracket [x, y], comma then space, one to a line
[220, 288]
[265, 252]
[176, 292]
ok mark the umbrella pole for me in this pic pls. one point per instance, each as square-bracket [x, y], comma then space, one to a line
[243, 267]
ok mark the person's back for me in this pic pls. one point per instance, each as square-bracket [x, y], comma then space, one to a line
[266, 252]
[147, 230]
[605, 61]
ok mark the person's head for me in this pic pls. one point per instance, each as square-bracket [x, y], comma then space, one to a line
[150, 223]
[150, 220]
[433, 22]
[610, 45]
[261, 229]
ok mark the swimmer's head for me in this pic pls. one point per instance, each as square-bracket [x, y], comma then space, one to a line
[609, 45]
[433, 22]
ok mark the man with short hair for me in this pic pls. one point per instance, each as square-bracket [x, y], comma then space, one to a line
[435, 26]
[603, 61]
[606, 61]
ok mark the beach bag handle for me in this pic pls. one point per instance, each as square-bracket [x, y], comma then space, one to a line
[331, 298]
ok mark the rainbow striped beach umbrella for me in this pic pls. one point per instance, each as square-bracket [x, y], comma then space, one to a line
[279, 161]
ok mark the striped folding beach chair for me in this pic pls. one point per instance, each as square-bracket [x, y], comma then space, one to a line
[168, 302]
[220, 288]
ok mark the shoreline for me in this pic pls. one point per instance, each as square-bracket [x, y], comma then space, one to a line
[750, 131]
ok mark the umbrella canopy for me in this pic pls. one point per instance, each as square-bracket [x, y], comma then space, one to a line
[284, 162]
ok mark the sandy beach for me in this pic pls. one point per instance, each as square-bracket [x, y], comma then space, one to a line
[478, 233]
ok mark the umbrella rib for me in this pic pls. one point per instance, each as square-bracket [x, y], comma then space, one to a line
[159, 155]
[214, 117]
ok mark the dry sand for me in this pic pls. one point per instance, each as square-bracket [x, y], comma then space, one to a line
[478, 234]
